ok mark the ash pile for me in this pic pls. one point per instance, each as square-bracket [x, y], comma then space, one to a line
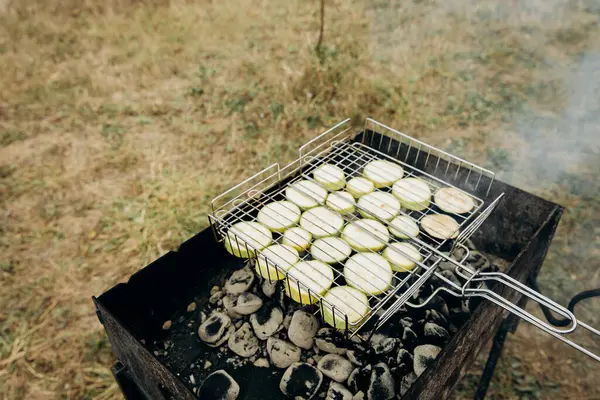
[249, 320]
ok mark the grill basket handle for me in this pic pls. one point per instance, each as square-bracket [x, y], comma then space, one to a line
[531, 294]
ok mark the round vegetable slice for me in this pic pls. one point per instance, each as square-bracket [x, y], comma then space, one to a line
[279, 215]
[277, 255]
[452, 200]
[402, 256]
[379, 205]
[358, 187]
[342, 202]
[330, 250]
[306, 194]
[440, 226]
[366, 234]
[330, 176]
[244, 238]
[383, 173]
[368, 272]
[344, 303]
[413, 193]
[314, 275]
[321, 222]
[298, 238]
[404, 227]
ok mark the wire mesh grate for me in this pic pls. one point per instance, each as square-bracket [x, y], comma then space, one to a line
[335, 148]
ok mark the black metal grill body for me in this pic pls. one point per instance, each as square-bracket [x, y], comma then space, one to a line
[519, 230]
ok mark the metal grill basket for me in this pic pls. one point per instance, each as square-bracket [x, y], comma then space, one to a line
[433, 166]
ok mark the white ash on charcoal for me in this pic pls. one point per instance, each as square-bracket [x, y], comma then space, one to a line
[219, 386]
[407, 322]
[435, 334]
[439, 304]
[406, 382]
[236, 362]
[243, 342]
[382, 344]
[477, 260]
[301, 381]
[358, 352]
[302, 329]
[269, 287]
[262, 363]
[359, 396]
[229, 303]
[437, 318]
[409, 338]
[216, 298]
[360, 379]
[281, 353]
[331, 341]
[287, 320]
[382, 384]
[247, 303]
[424, 356]
[457, 254]
[391, 362]
[338, 391]
[335, 367]
[404, 362]
[216, 330]
[267, 320]
[240, 281]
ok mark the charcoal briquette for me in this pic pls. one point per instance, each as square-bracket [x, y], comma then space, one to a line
[335, 367]
[381, 385]
[436, 317]
[338, 391]
[360, 378]
[301, 381]
[404, 361]
[219, 386]
[406, 382]
[424, 357]
[267, 320]
[435, 334]
[409, 338]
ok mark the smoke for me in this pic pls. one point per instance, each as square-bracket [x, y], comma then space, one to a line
[563, 148]
[554, 139]
[544, 145]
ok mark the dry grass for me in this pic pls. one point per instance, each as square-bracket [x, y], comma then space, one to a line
[120, 120]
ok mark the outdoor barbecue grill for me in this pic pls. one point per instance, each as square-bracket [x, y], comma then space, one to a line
[504, 222]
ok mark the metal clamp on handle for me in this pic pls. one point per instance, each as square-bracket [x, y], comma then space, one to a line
[520, 312]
